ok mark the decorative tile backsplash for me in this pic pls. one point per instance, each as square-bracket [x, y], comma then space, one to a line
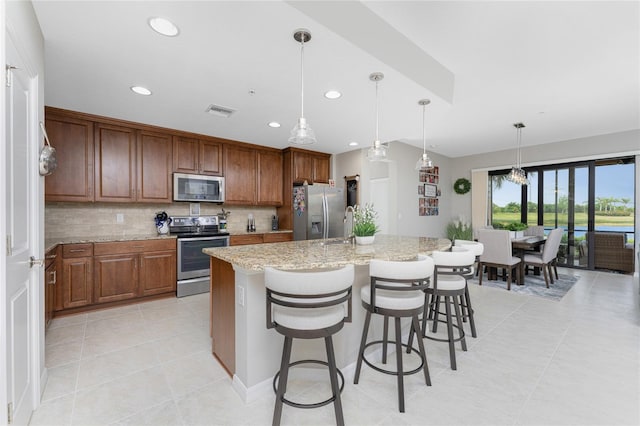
[64, 220]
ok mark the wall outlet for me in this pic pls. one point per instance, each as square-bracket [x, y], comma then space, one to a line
[240, 296]
[119, 218]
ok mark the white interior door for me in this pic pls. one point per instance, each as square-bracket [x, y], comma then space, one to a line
[381, 203]
[21, 280]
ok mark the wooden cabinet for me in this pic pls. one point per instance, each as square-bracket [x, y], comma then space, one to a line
[131, 269]
[115, 163]
[269, 174]
[240, 175]
[321, 167]
[154, 167]
[271, 237]
[73, 140]
[50, 284]
[115, 277]
[197, 156]
[302, 167]
[77, 275]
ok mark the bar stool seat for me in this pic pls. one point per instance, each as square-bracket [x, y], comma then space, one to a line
[308, 304]
[396, 290]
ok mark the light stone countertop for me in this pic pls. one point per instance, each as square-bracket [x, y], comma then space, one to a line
[50, 243]
[314, 254]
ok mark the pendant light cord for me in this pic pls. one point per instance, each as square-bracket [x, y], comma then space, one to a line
[377, 138]
[302, 77]
[424, 130]
[519, 155]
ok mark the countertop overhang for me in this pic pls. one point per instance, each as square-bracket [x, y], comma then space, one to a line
[326, 253]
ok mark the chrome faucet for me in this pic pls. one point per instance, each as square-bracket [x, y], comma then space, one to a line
[352, 236]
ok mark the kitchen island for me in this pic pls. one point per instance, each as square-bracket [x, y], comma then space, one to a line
[240, 340]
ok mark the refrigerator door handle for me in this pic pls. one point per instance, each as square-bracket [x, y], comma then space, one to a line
[325, 217]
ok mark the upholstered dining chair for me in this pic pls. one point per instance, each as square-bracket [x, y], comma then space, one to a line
[498, 254]
[534, 231]
[547, 258]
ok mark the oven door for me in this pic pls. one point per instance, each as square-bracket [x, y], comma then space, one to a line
[192, 262]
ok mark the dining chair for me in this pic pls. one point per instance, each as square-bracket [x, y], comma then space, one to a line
[534, 231]
[548, 257]
[498, 254]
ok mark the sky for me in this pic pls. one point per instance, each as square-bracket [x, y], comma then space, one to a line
[611, 182]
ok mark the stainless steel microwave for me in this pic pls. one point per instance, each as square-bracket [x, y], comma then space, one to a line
[198, 188]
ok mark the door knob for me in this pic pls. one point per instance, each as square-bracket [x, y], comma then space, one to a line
[33, 261]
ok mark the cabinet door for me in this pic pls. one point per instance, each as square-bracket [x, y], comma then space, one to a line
[302, 167]
[77, 282]
[157, 273]
[185, 155]
[269, 178]
[115, 277]
[321, 169]
[73, 141]
[241, 240]
[240, 175]
[115, 163]
[50, 277]
[154, 167]
[210, 158]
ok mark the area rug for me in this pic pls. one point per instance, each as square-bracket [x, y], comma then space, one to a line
[534, 285]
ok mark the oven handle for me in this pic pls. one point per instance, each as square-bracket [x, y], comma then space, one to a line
[204, 238]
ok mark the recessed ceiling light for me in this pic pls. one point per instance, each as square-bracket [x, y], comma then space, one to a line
[141, 90]
[274, 124]
[163, 26]
[332, 94]
[353, 143]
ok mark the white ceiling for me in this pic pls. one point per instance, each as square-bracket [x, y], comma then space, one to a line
[565, 69]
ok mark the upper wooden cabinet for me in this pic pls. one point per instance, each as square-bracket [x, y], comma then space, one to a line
[321, 167]
[312, 167]
[240, 175]
[115, 161]
[269, 173]
[154, 167]
[197, 156]
[73, 140]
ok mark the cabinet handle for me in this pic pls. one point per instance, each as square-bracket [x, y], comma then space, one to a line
[52, 277]
[77, 250]
[138, 247]
[51, 256]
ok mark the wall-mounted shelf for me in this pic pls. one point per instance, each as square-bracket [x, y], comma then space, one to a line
[428, 192]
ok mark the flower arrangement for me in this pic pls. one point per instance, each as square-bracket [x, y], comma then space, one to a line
[459, 230]
[364, 220]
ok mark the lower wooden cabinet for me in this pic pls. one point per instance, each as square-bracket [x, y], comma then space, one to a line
[50, 284]
[271, 237]
[96, 273]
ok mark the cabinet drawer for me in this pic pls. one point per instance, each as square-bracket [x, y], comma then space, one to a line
[50, 257]
[239, 240]
[77, 250]
[278, 237]
[120, 247]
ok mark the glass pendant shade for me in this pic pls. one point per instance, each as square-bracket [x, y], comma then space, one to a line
[378, 151]
[517, 175]
[302, 134]
[424, 162]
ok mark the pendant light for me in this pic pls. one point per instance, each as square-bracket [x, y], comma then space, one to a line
[302, 134]
[378, 151]
[517, 174]
[424, 162]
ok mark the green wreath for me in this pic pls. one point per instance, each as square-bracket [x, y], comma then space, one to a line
[462, 186]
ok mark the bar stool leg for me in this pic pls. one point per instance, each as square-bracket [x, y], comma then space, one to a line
[333, 374]
[363, 342]
[399, 365]
[416, 328]
[472, 322]
[282, 382]
[452, 349]
[385, 339]
[456, 308]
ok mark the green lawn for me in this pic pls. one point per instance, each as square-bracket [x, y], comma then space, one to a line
[580, 218]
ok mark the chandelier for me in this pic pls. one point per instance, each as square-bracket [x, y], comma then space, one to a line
[424, 162]
[302, 134]
[517, 174]
[378, 151]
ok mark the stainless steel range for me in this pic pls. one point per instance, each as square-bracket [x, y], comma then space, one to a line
[195, 233]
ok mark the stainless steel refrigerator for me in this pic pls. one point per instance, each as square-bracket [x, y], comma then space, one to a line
[318, 212]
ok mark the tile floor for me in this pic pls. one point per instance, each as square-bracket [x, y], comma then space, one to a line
[535, 362]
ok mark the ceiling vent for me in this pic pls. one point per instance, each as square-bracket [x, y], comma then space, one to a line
[220, 111]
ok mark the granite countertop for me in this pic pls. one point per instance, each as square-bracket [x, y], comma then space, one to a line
[316, 254]
[50, 243]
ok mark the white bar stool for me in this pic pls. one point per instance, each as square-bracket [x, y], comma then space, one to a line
[449, 285]
[308, 304]
[396, 290]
